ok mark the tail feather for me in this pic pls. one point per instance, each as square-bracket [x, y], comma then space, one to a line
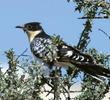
[93, 69]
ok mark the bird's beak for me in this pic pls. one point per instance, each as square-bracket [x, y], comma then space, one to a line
[22, 27]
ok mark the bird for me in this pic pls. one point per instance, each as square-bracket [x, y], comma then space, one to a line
[40, 43]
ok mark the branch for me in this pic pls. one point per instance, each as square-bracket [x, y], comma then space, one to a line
[84, 38]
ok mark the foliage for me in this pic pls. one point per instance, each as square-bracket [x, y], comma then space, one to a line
[18, 87]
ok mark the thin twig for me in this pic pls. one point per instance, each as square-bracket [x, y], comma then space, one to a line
[21, 54]
[88, 43]
[24, 55]
[49, 92]
[63, 91]
[104, 33]
[105, 17]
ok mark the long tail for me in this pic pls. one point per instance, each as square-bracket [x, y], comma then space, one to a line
[81, 60]
[93, 69]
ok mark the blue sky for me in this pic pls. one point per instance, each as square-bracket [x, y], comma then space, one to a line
[56, 17]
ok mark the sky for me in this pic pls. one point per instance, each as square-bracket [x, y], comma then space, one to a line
[56, 17]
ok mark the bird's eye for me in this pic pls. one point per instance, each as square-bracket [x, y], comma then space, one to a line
[29, 27]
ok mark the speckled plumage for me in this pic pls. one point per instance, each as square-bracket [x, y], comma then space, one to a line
[39, 46]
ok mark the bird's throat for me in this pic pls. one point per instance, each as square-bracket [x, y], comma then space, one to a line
[32, 34]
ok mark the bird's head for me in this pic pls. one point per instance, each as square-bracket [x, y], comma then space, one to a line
[32, 29]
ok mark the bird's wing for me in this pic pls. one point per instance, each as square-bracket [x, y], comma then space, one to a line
[68, 53]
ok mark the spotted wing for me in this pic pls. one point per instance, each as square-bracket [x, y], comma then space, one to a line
[68, 53]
